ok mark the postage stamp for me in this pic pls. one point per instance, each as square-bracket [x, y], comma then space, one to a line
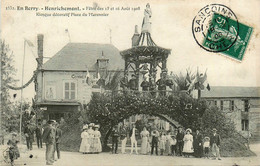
[216, 29]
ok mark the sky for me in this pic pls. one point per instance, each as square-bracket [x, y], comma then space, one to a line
[171, 28]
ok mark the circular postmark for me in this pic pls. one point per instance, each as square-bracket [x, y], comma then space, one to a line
[215, 28]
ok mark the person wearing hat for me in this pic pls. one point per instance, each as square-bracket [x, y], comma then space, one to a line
[57, 139]
[155, 138]
[145, 84]
[179, 138]
[48, 137]
[91, 137]
[215, 144]
[197, 144]
[132, 84]
[124, 83]
[29, 134]
[161, 83]
[123, 137]
[38, 133]
[133, 135]
[13, 148]
[97, 143]
[206, 146]
[84, 146]
[173, 143]
[115, 136]
[188, 143]
[145, 141]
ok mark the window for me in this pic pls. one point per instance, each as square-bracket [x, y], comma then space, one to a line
[246, 105]
[69, 90]
[245, 125]
[102, 63]
[216, 103]
[231, 105]
[221, 105]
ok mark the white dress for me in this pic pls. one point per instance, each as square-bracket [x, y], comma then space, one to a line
[84, 146]
[188, 141]
[97, 143]
[91, 140]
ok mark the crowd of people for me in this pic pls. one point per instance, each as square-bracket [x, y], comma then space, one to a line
[52, 136]
[90, 136]
[178, 142]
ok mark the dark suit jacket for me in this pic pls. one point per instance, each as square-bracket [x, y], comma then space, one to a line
[38, 132]
[48, 135]
[29, 131]
[179, 136]
[215, 139]
[58, 135]
[197, 139]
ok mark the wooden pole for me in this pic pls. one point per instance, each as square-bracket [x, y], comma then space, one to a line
[21, 109]
[1, 91]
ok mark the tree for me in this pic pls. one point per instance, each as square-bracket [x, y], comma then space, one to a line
[8, 72]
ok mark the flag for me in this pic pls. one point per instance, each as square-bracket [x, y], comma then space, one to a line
[98, 76]
[29, 43]
[208, 87]
[88, 78]
[188, 79]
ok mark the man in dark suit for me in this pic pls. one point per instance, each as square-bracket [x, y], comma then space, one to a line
[38, 132]
[49, 138]
[115, 136]
[155, 138]
[215, 144]
[132, 84]
[57, 138]
[28, 131]
[197, 144]
[179, 138]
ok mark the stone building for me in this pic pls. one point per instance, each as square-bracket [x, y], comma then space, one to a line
[241, 104]
[67, 80]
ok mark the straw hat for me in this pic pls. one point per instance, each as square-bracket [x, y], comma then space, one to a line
[85, 127]
[207, 138]
[91, 125]
[96, 126]
[188, 130]
[214, 129]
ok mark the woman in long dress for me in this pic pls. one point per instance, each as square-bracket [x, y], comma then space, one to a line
[162, 143]
[97, 143]
[145, 141]
[91, 137]
[84, 146]
[188, 143]
[168, 144]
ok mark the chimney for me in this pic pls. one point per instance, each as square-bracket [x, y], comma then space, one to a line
[135, 37]
[40, 50]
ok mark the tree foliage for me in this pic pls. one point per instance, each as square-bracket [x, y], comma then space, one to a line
[108, 110]
[7, 77]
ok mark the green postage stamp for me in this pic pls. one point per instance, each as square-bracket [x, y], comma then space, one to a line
[216, 29]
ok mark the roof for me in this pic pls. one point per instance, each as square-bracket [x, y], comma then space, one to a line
[83, 56]
[146, 51]
[231, 92]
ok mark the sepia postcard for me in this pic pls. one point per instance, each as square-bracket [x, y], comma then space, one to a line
[170, 82]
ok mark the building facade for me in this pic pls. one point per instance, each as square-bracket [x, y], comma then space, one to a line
[241, 104]
[66, 81]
